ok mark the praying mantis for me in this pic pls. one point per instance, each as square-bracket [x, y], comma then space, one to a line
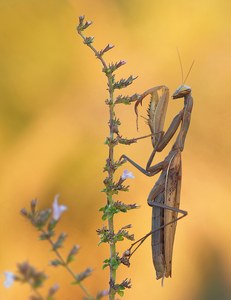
[164, 197]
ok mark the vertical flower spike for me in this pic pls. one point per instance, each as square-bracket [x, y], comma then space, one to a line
[9, 279]
[57, 209]
[107, 234]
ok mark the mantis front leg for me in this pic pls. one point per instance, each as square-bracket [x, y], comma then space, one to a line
[152, 170]
[164, 139]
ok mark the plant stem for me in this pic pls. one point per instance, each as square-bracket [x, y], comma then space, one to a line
[110, 161]
[109, 197]
[36, 292]
[65, 265]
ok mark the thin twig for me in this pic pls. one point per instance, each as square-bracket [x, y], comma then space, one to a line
[64, 264]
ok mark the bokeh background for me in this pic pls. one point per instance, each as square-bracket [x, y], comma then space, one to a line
[53, 123]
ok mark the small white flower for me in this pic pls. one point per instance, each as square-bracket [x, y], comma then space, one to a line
[127, 174]
[9, 279]
[58, 209]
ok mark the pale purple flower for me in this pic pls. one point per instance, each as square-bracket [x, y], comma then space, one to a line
[102, 294]
[9, 279]
[127, 174]
[57, 209]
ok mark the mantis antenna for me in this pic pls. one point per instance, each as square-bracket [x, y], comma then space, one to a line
[189, 71]
[181, 67]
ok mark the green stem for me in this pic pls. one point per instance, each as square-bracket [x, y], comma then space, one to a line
[110, 169]
[36, 292]
[64, 264]
[109, 196]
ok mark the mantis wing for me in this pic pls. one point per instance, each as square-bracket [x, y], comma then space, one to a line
[172, 199]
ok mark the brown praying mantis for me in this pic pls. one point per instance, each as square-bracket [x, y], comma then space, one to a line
[164, 197]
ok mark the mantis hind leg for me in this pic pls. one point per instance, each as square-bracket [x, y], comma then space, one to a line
[162, 241]
[141, 240]
[183, 212]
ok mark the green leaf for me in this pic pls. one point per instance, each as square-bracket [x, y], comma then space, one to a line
[114, 263]
[109, 210]
[104, 266]
[113, 66]
[121, 293]
[118, 238]
[59, 242]
[51, 225]
[44, 236]
[71, 256]
[123, 83]
[56, 262]
[89, 40]
[104, 217]
[40, 219]
[81, 276]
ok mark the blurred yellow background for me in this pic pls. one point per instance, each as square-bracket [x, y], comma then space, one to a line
[53, 122]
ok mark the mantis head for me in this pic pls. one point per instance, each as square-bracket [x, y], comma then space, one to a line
[181, 91]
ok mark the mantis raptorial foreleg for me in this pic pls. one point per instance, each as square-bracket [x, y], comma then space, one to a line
[162, 142]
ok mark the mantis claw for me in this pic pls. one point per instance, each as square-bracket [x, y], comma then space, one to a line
[122, 157]
[139, 101]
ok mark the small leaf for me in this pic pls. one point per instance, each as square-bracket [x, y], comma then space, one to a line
[89, 40]
[102, 294]
[104, 217]
[24, 213]
[82, 26]
[40, 219]
[121, 293]
[107, 48]
[52, 291]
[51, 225]
[124, 82]
[55, 262]
[113, 66]
[60, 240]
[72, 253]
[106, 262]
[127, 100]
[45, 235]
[104, 266]
[81, 276]
[33, 205]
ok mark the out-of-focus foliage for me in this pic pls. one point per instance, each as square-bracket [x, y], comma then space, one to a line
[53, 125]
